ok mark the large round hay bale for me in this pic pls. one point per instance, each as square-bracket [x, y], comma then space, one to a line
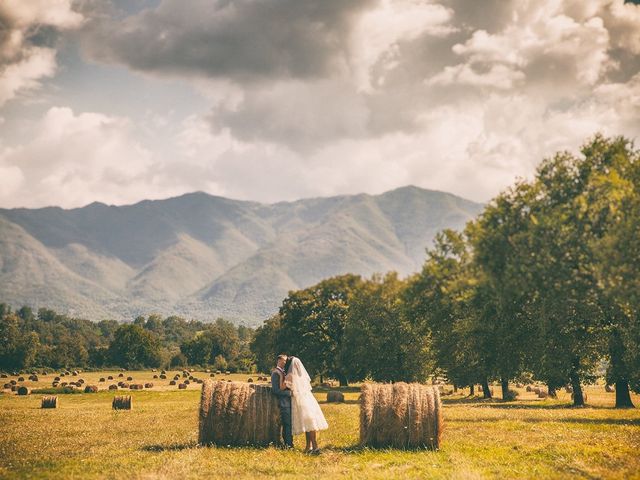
[49, 401]
[335, 396]
[122, 402]
[400, 415]
[238, 413]
[90, 389]
[22, 390]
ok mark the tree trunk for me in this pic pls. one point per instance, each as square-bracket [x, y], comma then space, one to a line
[623, 398]
[455, 388]
[343, 380]
[321, 379]
[552, 390]
[578, 399]
[472, 390]
[505, 388]
[485, 388]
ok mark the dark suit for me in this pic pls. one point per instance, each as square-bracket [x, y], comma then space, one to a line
[284, 402]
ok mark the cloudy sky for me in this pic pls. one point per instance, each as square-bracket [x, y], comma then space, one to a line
[269, 100]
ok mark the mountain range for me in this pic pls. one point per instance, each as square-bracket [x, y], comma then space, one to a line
[202, 256]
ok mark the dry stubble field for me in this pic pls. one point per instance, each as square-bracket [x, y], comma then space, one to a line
[528, 438]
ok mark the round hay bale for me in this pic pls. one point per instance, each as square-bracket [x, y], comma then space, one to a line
[400, 415]
[13, 382]
[91, 389]
[237, 414]
[172, 382]
[22, 390]
[163, 377]
[136, 386]
[218, 372]
[74, 373]
[154, 369]
[184, 375]
[519, 385]
[542, 394]
[191, 377]
[609, 389]
[335, 397]
[14, 388]
[326, 384]
[124, 385]
[21, 379]
[55, 384]
[7, 385]
[49, 401]
[529, 388]
[186, 382]
[129, 379]
[121, 375]
[63, 384]
[249, 380]
[182, 386]
[212, 374]
[3, 375]
[113, 387]
[176, 377]
[227, 372]
[155, 377]
[536, 390]
[80, 381]
[102, 379]
[163, 372]
[200, 381]
[122, 402]
[110, 377]
[33, 378]
[148, 385]
[56, 379]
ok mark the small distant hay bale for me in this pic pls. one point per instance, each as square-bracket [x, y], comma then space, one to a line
[218, 372]
[163, 376]
[182, 386]
[136, 386]
[529, 388]
[22, 390]
[400, 415]
[21, 379]
[63, 384]
[191, 377]
[609, 389]
[249, 380]
[13, 382]
[212, 374]
[227, 372]
[163, 372]
[237, 414]
[55, 384]
[14, 388]
[124, 385]
[176, 377]
[335, 397]
[122, 402]
[326, 384]
[3, 375]
[148, 385]
[113, 387]
[536, 390]
[56, 379]
[186, 382]
[7, 385]
[542, 394]
[519, 385]
[121, 375]
[102, 379]
[80, 381]
[33, 378]
[49, 401]
[129, 379]
[110, 377]
[172, 382]
[154, 369]
[155, 377]
[584, 396]
[91, 389]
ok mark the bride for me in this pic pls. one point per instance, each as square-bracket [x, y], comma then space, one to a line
[305, 411]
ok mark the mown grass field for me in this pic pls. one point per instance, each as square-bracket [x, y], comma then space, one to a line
[528, 438]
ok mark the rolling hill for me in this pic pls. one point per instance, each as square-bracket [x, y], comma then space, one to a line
[202, 256]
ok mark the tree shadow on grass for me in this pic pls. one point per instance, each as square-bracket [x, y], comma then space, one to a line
[602, 421]
[546, 406]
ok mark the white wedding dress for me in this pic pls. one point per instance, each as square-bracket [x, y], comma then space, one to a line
[306, 415]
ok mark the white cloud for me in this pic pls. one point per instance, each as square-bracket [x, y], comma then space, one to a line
[23, 64]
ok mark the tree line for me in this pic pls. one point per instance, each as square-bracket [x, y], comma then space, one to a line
[543, 285]
[48, 339]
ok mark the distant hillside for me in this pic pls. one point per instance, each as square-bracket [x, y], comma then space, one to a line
[203, 256]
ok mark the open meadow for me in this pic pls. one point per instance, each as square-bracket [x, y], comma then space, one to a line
[528, 438]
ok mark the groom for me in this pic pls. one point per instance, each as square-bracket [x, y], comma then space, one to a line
[284, 400]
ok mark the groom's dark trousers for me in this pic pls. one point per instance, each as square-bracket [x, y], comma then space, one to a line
[284, 402]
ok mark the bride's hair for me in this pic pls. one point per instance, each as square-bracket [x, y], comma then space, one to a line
[287, 365]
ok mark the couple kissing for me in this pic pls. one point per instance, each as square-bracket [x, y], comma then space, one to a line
[299, 410]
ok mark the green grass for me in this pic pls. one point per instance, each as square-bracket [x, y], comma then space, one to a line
[528, 438]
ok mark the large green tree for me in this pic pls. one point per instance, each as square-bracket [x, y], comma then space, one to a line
[134, 347]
